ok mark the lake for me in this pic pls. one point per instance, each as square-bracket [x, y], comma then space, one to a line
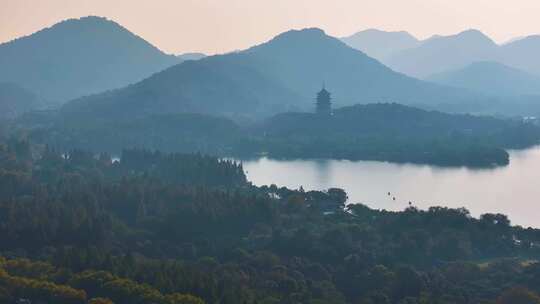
[513, 190]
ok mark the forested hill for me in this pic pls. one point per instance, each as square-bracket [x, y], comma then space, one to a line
[78, 228]
[390, 118]
[393, 132]
[78, 57]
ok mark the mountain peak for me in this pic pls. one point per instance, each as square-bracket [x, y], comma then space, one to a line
[442, 53]
[492, 67]
[84, 22]
[309, 38]
[475, 35]
[471, 31]
[380, 44]
[88, 19]
[92, 18]
[312, 32]
[79, 56]
[468, 36]
[374, 31]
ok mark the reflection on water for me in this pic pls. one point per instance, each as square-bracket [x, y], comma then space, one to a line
[513, 190]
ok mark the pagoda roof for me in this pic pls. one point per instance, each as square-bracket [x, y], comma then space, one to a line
[324, 91]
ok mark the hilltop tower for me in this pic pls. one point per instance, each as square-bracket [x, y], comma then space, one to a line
[324, 102]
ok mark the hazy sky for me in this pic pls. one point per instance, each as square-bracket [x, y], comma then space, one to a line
[215, 26]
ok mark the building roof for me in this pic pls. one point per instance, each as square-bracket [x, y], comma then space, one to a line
[323, 91]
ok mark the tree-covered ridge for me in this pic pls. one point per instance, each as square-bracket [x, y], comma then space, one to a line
[155, 228]
[393, 132]
[385, 132]
[171, 133]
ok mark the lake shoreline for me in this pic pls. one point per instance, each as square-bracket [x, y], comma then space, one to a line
[480, 190]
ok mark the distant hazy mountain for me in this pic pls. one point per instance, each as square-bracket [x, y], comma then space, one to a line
[217, 85]
[302, 60]
[381, 44]
[522, 54]
[491, 78]
[440, 54]
[78, 57]
[443, 53]
[284, 73]
[15, 100]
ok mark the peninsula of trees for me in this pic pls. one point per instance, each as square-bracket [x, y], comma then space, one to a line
[383, 132]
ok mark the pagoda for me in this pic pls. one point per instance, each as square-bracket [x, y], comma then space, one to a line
[324, 103]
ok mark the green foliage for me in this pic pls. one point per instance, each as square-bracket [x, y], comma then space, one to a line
[392, 132]
[40, 290]
[174, 228]
[104, 287]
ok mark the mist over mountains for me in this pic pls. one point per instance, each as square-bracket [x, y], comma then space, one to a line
[491, 78]
[282, 74]
[403, 52]
[439, 54]
[109, 72]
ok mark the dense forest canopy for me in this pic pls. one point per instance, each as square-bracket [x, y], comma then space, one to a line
[393, 132]
[172, 133]
[154, 227]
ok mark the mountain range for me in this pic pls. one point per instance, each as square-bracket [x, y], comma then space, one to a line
[110, 72]
[422, 58]
[279, 75]
[443, 53]
[78, 57]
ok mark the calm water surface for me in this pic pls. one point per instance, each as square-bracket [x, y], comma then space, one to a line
[513, 190]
